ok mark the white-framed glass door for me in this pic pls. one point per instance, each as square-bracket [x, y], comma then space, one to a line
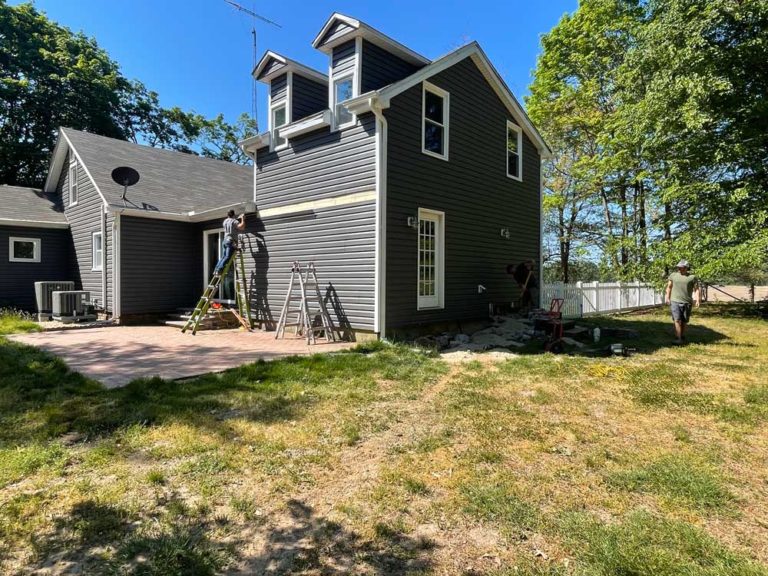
[212, 251]
[430, 281]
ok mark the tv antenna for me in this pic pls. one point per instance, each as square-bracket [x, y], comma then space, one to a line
[255, 16]
[125, 176]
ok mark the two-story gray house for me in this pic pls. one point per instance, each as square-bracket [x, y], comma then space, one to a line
[410, 183]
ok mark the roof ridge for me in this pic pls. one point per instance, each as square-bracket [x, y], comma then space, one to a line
[153, 148]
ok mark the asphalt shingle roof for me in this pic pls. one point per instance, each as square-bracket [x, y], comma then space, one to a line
[19, 203]
[169, 181]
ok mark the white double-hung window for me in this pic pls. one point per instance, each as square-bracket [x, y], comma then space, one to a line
[343, 89]
[23, 249]
[97, 259]
[434, 124]
[514, 151]
[431, 259]
[278, 117]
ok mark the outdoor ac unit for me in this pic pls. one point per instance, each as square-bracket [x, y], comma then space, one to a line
[72, 305]
[44, 294]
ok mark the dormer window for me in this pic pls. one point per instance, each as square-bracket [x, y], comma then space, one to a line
[343, 89]
[279, 117]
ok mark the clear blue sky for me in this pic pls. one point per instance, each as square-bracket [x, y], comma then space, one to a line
[197, 54]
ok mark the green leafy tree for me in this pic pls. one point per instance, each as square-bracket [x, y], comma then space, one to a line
[51, 77]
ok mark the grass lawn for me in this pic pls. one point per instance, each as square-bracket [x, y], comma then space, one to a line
[387, 460]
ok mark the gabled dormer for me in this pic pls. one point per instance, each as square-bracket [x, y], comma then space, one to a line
[295, 92]
[361, 59]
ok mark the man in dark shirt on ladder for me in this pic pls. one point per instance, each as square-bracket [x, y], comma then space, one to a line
[232, 227]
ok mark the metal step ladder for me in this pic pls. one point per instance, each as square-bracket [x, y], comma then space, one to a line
[243, 312]
[310, 305]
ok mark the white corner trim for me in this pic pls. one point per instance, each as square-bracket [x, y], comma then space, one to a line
[445, 95]
[519, 131]
[380, 271]
[36, 250]
[117, 296]
[87, 172]
[331, 21]
[354, 198]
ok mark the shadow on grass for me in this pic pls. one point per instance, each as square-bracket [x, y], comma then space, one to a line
[103, 539]
[41, 399]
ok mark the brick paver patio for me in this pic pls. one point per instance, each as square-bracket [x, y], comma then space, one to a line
[116, 355]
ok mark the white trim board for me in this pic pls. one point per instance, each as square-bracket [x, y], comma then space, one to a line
[318, 204]
[33, 223]
[288, 65]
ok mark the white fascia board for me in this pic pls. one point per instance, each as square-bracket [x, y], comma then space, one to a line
[268, 55]
[474, 51]
[246, 206]
[85, 168]
[288, 66]
[256, 142]
[363, 103]
[327, 26]
[56, 164]
[33, 223]
[305, 125]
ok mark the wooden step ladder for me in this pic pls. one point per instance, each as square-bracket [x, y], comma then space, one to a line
[243, 312]
[310, 305]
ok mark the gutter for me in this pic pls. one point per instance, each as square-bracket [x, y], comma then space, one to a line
[192, 216]
[33, 223]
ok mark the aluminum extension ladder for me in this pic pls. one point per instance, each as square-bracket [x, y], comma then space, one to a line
[243, 312]
[310, 305]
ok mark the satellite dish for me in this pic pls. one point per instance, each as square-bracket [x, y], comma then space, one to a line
[125, 176]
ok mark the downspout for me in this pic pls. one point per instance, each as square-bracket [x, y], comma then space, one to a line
[380, 308]
[104, 252]
[116, 288]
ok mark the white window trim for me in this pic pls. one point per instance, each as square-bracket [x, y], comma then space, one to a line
[356, 80]
[514, 127]
[70, 181]
[428, 87]
[94, 267]
[439, 259]
[35, 252]
[343, 76]
[272, 105]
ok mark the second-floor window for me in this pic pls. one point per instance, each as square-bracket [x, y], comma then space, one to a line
[434, 125]
[342, 90]
[514, 151]
[279, 118]
[73, 183]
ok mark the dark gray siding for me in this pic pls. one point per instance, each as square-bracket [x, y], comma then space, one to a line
[161, 265]
[17, 279]
[84, 219]
[318, 165]
[341, 243]
[337, 30]
[308, 97]
[272, 66]
[380, 68]
[343, 58]
[278, 87]
[474, 192]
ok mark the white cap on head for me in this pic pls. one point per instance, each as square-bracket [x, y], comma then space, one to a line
[683, 264]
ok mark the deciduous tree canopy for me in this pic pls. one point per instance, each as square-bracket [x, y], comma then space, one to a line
[51, 77]
[657, 111]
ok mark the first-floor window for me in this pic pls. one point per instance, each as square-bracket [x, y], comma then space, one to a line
[24, 249]
[98, 251]
[342, 91]
[514, 151]
[279, 118]
[431, 259]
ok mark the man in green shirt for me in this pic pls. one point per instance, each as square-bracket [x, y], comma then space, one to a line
[682, 289]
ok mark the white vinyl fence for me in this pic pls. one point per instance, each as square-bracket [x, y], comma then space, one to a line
[585, 298]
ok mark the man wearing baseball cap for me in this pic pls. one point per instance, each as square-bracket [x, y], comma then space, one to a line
[682, 289]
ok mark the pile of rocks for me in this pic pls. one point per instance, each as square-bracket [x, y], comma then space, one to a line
[506, 332]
